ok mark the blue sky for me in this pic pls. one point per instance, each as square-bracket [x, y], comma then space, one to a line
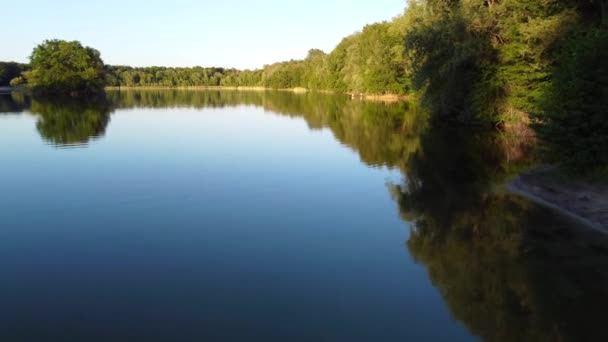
[227, 33]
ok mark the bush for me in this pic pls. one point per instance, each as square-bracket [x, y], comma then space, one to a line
[17, 82]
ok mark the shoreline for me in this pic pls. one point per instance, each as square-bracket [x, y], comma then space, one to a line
[583, 202]
[187, 88]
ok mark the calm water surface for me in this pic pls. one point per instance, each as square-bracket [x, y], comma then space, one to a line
[269, 216]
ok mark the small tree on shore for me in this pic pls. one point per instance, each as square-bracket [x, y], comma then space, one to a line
[60, 66]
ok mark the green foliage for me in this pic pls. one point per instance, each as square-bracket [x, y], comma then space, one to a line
[65, 67]
[574, 122]
[446, 58]
[530, 30]
[371, 61]
[17, 81]
[495, 60]
[10, 71]
[479, 60]
[180, 77]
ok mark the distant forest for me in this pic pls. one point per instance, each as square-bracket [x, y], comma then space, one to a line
[371, 61]
[508, 63]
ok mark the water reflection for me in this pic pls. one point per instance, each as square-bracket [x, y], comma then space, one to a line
[63, 122]
[13, 103]
[381, 133]
[71, 123]
[384, 134]
[508, 269]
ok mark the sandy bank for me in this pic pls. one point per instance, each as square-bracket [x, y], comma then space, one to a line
[586, 203]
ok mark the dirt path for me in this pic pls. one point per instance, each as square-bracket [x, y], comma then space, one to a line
[584, 202]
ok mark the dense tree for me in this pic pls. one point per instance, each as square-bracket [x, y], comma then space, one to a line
[445, 57]
[573, 118]
[500, 61]
[482, 61]
[65, 67]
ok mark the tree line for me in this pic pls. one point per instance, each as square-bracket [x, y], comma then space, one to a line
[370, 61]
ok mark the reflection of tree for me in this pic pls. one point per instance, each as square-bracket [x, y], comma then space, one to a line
[452, 173]
[168, 98]
[524, 278]
[508, 269]
[13, 103]
[71, 121]
[382, 134]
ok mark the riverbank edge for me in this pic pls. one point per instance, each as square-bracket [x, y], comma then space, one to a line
[537, 186]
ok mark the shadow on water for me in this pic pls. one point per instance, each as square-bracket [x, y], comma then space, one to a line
[508, 269]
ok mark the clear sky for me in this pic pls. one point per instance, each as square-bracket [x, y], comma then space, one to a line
[227, 33]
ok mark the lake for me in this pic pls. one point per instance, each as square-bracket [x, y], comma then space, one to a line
[174, 215]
